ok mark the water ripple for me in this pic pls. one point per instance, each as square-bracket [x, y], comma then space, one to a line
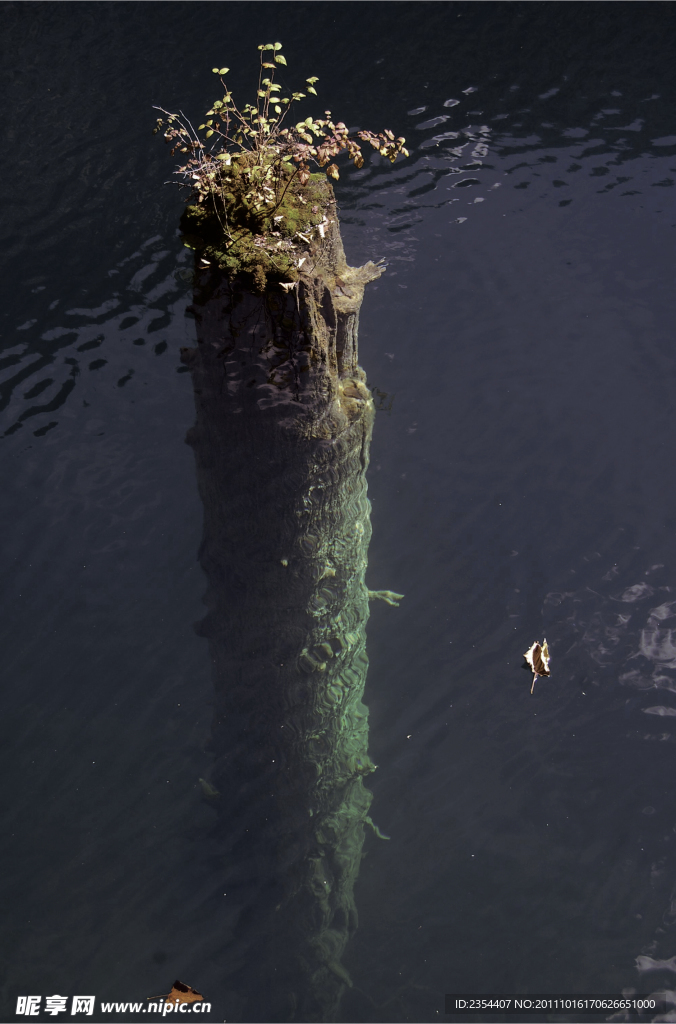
[44, 372]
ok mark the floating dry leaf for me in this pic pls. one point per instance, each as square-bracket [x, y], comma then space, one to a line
[181, 993]
[538, 659]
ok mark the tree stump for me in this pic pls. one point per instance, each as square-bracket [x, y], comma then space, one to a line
[281, 444]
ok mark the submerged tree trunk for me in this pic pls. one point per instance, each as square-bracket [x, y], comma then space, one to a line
[281, 442]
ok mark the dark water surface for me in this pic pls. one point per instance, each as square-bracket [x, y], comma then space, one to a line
[522, 483]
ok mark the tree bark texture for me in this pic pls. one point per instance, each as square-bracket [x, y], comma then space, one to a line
[281, 443]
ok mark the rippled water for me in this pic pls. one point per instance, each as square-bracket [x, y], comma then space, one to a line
[521, 343]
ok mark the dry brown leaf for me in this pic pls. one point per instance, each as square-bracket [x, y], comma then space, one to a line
[537, 657]
[181, 993]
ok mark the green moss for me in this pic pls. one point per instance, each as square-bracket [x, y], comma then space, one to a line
[225, 230]
[260, 279]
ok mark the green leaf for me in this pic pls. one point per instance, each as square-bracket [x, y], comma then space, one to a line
[312, 80]
[215, 71]
[269, 46]
[223, 71]
[278, 109]
[209, 133]
[312, 89]
[277, 46]
[279, 59]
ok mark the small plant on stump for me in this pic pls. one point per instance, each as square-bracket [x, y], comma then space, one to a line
[255, 202]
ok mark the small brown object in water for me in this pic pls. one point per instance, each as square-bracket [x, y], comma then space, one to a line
[537, 657]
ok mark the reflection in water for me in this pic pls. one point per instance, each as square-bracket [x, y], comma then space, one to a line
[70, 354]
